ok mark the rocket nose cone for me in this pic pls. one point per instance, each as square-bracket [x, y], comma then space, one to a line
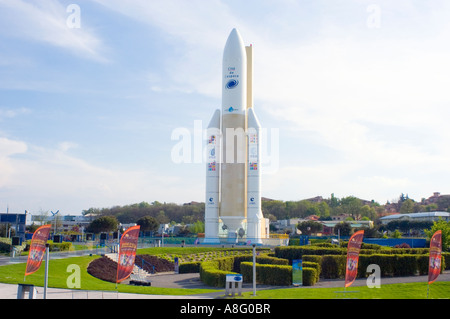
[235, 44]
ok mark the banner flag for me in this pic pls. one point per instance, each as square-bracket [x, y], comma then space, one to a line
[434, 264]
[127, 253]
[354, 245]
[37, 249]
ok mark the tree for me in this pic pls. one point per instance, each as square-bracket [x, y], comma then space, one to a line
[351, 205]
[445, 228]
[344, 229]
[103, 224]
[197, 227]
[310, 227]
[148, 224]
[407, 207]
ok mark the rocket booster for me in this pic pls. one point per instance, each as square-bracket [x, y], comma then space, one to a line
[233, 183]
[234, 106]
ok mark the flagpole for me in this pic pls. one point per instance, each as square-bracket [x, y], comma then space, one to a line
[47, 252]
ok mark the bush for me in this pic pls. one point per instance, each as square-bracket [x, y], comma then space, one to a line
[211, 273]
[446, 257]
[310, 276]
[278, 275]
[292, 253]
[65, 246]
[263, 259]
[313, 258]
[190, 267]
[333, 266]
[314, 265]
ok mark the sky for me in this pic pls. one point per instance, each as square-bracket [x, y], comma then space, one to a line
[97, 96]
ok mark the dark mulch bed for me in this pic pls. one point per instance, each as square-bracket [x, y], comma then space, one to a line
[105, 269]
[160, 264]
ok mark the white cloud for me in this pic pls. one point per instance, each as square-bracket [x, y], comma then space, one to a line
[44, 178]
[46, 21]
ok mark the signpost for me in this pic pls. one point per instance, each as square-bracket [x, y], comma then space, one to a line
[297, 272]
[230, 284]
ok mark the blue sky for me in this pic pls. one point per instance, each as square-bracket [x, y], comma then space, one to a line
[353, 93]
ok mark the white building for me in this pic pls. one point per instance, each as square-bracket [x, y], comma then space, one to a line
[420, 217]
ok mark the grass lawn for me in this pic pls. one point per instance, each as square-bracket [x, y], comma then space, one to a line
[14, 274]
[438, 290]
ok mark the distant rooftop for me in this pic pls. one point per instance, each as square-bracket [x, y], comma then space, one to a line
[417, 215]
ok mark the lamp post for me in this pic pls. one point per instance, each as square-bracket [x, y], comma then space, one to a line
[254, 270]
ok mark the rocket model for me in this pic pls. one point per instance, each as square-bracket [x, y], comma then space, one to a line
[233, 170]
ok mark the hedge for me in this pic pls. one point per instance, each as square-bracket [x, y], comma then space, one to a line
[333, 266]
[64, 246]
[292, 253]
[297, 252]
[310, 276]
[213, 273]
[279, 275]
[189, 267]
[315, 265]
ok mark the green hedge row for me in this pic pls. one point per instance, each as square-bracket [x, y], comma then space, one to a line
[297, 252]
[278, 275]
[189, 267]
[292, 252]
[64, 246]
[213, 273]
[333, 266]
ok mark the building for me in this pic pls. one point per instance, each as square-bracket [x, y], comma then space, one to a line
[14, 221]
[64, 223]
[420, 217]
[329, 225]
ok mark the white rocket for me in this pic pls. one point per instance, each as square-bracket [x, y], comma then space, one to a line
[233, 170]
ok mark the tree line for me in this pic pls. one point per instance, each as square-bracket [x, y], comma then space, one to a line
[193, 212]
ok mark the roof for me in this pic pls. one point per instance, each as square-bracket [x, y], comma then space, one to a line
[416, 215]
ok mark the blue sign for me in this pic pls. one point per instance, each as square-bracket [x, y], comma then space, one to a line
[233, 278]
[232, 84]
[297, 272]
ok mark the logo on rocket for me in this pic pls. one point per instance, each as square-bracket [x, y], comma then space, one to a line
[232, 84]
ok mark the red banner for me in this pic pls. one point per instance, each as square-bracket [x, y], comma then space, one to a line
[434, 264]
[354, 245]
[37, 249]
[127, 253]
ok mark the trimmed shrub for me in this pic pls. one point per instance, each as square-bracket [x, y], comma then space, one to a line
[263, 259]
[310, 276]
[316, 266]
[212, 275]
[189, 267]
[278, 275]
[446, 257]
[64, 246]
[313, 258]
[333, 266]
[292, 253]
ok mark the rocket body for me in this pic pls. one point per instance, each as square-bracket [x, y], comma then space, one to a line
[234, 100]
[233, 189]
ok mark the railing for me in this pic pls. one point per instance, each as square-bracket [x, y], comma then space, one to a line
[143, 263]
